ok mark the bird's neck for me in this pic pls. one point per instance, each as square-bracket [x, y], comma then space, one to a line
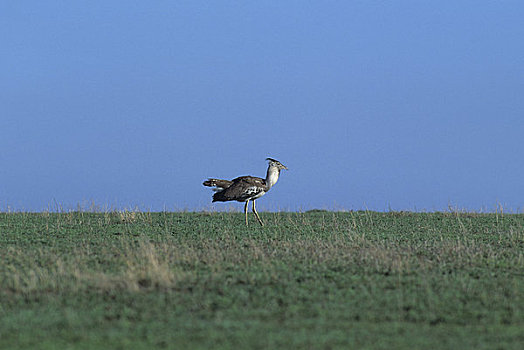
[272, 176]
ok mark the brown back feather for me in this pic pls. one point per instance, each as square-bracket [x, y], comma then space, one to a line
[241, 189]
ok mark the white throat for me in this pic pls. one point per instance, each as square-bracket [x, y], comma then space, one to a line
[272, 176]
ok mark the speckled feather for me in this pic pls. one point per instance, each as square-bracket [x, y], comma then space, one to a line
[241, 189]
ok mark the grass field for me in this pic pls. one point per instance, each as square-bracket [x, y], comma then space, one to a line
[323, 280]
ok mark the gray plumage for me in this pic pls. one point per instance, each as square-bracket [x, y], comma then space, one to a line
[240, 189]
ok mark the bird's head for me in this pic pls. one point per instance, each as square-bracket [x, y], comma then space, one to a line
[276, 163]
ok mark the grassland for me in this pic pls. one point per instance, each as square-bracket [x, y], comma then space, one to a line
[325, 280]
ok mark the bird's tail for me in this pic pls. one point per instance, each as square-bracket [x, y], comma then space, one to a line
[219, 185]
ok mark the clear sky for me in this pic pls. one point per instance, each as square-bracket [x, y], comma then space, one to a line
[401, 105]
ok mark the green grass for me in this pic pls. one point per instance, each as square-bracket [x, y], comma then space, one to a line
[321, 280]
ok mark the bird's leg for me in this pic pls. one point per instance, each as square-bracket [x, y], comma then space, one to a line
[256, 214]
[245, 210]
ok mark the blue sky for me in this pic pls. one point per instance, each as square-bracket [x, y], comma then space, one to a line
[401, 105]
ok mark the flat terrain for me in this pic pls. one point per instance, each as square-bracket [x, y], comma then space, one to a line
[325, 280]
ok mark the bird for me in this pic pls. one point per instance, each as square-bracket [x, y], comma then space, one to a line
[246, 188]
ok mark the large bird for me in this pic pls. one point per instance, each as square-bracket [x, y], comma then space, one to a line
[246, 188]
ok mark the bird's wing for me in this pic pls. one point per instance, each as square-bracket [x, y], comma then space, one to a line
[251, 180]
[244, 187]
